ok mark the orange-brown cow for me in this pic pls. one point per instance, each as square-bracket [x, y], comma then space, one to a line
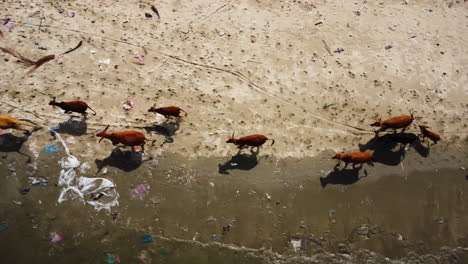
[167, 111]
[354, 158]
[7, 122]
[73, 106]
[249, 141]
[128, 138]
[428, 134]
[395, 122]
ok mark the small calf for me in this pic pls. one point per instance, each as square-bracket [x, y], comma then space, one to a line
[128, 138]
[354, 158]
[7, 122]
[73, 106]
[167, 111]
[428, 134]
[249, 141]
[395, 122]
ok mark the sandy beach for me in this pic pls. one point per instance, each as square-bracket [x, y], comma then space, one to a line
[312, 75]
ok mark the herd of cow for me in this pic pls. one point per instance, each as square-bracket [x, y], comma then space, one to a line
[134, 138]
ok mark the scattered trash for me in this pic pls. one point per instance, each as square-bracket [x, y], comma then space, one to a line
[212, 184]
[326, 106]
[318, 23]
[51, 148]
[80, 187]
[226, 229]
[253, 39]
[6, 21]
[111, 258]
[462, 168]
[155, 11]
[388, 47]
[285, 185]
[128, 105]
[61, 11]
[168, 139]
[268, 196]
[92, 51]
[215, 238]
[233, 164]
[338, 50]
[105, 61]
[3, 226]
[197, 179]
[195, 237]
[140, 60]
[148, 15]
[140, 191]
[56, 237]
[18, 203]
[428, 10]
[73, 14]
[296, 244]
[146, 238]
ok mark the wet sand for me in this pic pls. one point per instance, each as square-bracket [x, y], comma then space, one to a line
[393, 211]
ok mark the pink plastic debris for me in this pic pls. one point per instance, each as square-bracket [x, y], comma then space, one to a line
[140, 191]
[128, 105]
[56, 237]
[140, 60]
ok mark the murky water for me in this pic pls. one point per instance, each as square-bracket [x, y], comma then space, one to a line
[245, 209]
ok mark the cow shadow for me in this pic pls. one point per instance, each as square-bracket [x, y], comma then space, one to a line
[390, 149]
[126, 160]
[342, 177]
[72, 127]
[12, 143]
[240, 161]
[167, 128]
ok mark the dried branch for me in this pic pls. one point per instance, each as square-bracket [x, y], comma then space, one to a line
[31, 63]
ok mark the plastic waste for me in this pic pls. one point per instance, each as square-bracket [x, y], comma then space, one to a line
[112, 258]
[128, 105]
[215, 238]
[146, 238]
[56, 237]
[3, 226]
[51, 148]
[140, 191]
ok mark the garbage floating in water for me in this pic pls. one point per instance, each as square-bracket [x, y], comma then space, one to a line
[56, 237]
[146, 238]
[140, 191]
[74, 187]
[51, 148]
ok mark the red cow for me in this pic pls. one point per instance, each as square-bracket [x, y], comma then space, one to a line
[249, 141]
[73, 106]
[354, 158]
[395, 122]
[128, 138]
[428, 134]
[167, 111]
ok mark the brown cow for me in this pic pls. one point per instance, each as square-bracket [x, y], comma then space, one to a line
[428, 134]
[73, 106]
[7, 122]
[128, 138]
[167, 111]
[354, 158]
[395, 122]
[249, 141]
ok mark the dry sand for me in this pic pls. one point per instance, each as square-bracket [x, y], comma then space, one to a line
[246, 67]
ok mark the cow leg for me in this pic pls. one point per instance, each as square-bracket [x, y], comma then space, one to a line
[346, 165]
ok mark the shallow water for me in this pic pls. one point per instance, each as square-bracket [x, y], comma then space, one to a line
[278, 211]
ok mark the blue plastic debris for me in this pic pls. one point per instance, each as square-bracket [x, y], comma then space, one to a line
[51, 148]
[215, 238]
[3, 226]
[146, 238]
